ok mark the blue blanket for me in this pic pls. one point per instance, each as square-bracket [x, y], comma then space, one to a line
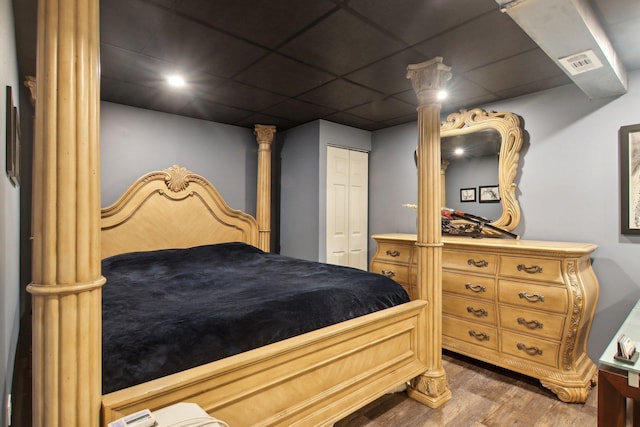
[170, 310]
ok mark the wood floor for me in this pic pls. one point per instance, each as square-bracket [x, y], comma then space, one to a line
[483, 395]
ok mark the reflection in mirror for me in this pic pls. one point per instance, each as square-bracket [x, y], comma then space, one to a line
[469, 162]
[480, 132]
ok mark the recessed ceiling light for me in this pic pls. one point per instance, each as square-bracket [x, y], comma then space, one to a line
[458, 151]
[176, 81]
[442, 95]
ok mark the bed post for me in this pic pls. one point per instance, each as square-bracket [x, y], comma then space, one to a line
[264, 136]
[431, 388]
[66, 282]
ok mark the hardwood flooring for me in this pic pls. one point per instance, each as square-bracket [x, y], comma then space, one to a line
[483, 395]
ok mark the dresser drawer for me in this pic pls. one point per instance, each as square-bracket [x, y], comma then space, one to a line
[399, 273]
[473, 262]
[471, 309]
[394, 252]
[474, 333]
[469, 285]
[531, 349]
[546, 270]
[538, 323]
[532, 296]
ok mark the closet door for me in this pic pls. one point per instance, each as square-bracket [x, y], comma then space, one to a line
[347, 203]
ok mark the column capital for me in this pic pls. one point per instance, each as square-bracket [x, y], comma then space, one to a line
[427, 79]
[264, 133]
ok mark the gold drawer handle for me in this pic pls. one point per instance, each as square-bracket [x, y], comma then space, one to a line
[531, 324]
[393, 253]
[534, 269]
[531, 351]
[531, 298]
[475, 288]
[388, 273]
[479, 336]
[481, 263]
[479, 312]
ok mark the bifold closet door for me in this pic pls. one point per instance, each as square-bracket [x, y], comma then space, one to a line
[347, 204]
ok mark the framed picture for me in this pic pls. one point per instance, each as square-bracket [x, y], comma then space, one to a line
[467, 194]
[12, 163]
[489, 194]
[629, 137]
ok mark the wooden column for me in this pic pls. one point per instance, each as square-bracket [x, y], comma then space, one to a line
[66, 277]
[431, 388]
[264, 136]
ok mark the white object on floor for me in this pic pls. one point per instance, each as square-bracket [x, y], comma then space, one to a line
[186, 414]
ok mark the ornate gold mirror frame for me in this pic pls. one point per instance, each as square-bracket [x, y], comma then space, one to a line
[508, 125]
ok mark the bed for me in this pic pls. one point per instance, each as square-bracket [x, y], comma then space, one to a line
[312, 376]
[310, 379]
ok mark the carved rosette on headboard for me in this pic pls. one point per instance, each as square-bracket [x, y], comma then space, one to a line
[177, 178]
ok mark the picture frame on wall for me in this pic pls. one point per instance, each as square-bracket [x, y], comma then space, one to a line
[467, 195]
[12, 129]
[629, 138]
[489, 194]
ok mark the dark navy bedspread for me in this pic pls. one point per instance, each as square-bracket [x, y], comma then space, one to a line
[170, 310]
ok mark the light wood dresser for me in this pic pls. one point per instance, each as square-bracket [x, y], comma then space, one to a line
[523, 305]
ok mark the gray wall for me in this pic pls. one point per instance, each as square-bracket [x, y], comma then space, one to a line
[304, 184]
[135, 141]
[9, 217]
[567, 187]
[299, 210]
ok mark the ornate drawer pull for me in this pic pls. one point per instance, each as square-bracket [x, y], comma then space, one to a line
[531, 298]
[479, 336]
[481, 263]
[479, 312]
[475, 288]
[531, 324]
[534, 269]
[393, 253]
[532, 351]
[388, 273]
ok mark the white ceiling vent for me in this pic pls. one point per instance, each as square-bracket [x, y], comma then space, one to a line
[580, 62]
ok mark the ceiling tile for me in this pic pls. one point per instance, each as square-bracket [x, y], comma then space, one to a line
[340, 44]
[202, 109]
[268, 25]
[299, 111]
[240, 95]
[388, 76]
[530, 66]
[534, 86]
[353, 121]
[283, 75]
[120, 24]
[472, 46]
[263, 119]
[383, 110]
[201, 48]
[417, 20]
[340, 94]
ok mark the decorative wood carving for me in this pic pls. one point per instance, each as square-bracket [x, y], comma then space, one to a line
[66, 279]
[509, 127]
[264, 136]
[177, 178]
[431, 388]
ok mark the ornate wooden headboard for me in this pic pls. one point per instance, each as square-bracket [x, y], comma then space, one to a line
[172, 208]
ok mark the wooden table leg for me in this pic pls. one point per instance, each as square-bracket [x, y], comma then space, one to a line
[612, 405]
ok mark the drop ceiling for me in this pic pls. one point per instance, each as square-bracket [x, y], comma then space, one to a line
[288, 62]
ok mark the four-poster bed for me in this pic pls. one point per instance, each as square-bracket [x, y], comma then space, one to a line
[311, 379]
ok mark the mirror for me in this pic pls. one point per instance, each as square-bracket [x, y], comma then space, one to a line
[492, 142]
